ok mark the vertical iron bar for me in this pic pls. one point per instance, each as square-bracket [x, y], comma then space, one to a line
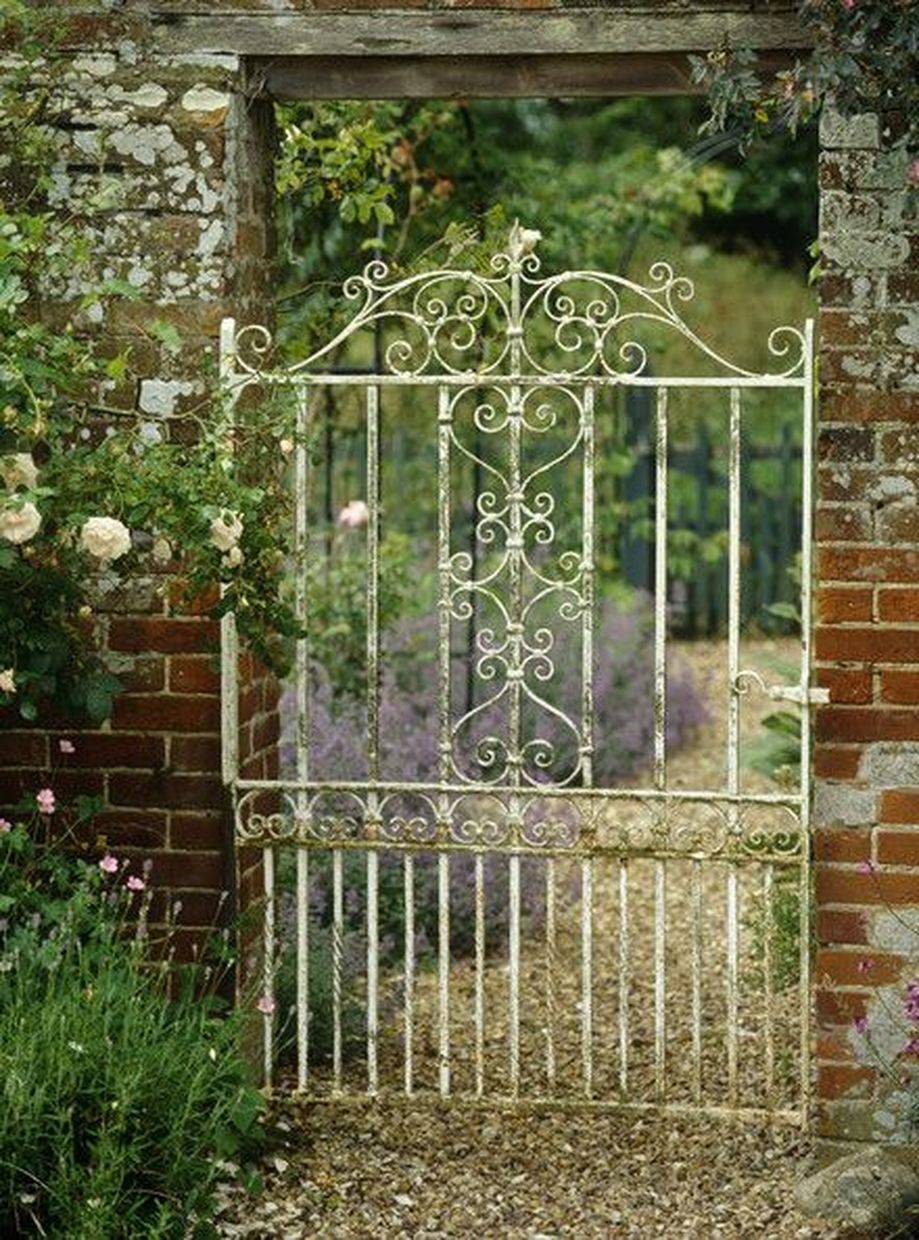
[408, 879]
[733, 730]
[660, 595]
[444, 430]
[337, 943]
[479, 975]
[373, 724]
[587, 592]
[550, 975]
[733, 944]
[229, 647]
[804, 888]
[373, 863]
[514, 970]
[697, 980]
[373, 605]
[443, 968]
[268, 967]
[768, 913]
[660, 993]
[660, 731]
[623, 975]
[587, 875]
[301, 691]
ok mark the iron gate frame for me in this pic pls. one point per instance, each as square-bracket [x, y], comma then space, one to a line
[515, 291]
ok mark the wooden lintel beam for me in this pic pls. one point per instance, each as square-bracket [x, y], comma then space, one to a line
[491, 77]
[641, 29]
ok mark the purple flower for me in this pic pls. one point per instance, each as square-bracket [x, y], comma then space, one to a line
[860, 1024]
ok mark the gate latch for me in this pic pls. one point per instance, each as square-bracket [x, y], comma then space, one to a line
[801, 697]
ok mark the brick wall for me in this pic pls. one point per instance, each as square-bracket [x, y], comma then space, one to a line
[867, 637]
[183, 158]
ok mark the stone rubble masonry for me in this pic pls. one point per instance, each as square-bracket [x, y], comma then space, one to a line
[866, 645]
[178, 155]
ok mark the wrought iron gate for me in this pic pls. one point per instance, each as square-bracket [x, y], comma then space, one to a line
[617, 1007]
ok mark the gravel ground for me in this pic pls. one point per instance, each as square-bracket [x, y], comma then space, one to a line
[390, 1171]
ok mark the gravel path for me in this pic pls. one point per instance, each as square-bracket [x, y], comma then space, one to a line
[390, 1171]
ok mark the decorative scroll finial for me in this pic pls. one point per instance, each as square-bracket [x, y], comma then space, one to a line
[522, 241]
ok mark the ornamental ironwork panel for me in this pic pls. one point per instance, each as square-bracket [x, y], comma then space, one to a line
[513, 364]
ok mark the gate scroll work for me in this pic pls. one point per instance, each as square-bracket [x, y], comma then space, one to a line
[639, 926]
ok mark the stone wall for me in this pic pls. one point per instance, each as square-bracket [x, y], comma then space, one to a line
[867, 637]
[169, 160]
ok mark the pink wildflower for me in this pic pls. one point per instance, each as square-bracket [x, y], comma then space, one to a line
[849, 4]
[108, 864]
[5, 825]
[864, 966]
[66, 746]
[266, 1005]
[865, 867]
[860, 1024]
[133, 883]
[911, 1047]
[45, 801]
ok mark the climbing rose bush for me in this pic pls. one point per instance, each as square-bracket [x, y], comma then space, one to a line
[90, 497]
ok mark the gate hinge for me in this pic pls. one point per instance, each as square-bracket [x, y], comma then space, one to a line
[801, 697]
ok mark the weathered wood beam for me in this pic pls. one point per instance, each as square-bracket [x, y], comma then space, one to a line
[640, 29]
[491, 77]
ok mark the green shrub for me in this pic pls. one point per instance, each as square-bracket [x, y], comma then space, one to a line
[122, 1088]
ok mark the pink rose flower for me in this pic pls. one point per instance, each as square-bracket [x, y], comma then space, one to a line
[266, 1005]
[108, 864]
[354, 515]
[45, 801]
[133, 883]
[66, 746]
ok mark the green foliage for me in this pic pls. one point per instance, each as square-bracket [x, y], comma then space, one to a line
[782, 927]
[864, 57]
[337, 604]
[117, 1103]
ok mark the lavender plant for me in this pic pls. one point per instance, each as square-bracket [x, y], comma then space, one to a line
[624, 730]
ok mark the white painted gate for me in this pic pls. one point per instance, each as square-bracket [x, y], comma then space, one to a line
[640, 924]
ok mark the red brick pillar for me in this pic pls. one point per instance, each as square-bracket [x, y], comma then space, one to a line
[186, 157]
[867, 637]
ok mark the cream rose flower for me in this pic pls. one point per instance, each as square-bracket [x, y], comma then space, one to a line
[226, 530]
[18, 470]
[8, 681]
[106, 538]
[18, 525]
